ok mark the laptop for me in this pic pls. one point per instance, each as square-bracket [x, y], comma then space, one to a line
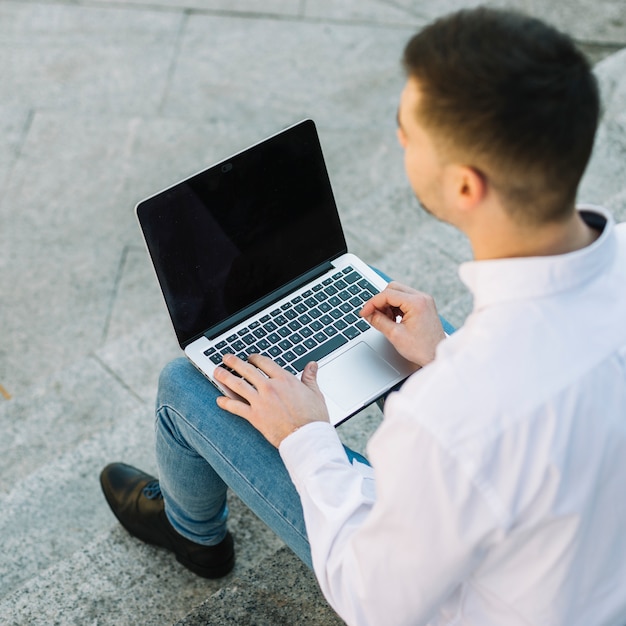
[251, 257]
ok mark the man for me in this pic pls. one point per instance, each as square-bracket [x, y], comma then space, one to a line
[496, 492]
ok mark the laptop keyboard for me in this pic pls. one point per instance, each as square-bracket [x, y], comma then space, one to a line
[307, 327]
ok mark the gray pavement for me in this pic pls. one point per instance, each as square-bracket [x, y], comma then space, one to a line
[103, 102]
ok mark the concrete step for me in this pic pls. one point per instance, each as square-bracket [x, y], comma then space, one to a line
[279, 591]
[66, 560]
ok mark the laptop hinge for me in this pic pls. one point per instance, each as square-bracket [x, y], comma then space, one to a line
[267, 301]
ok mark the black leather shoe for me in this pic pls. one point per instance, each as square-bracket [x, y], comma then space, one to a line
[136, 501]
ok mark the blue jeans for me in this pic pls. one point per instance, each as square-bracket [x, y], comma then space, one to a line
[202, 450]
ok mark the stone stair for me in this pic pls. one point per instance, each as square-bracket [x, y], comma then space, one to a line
[66, 560]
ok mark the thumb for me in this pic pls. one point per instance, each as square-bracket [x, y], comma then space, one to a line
[309, 376]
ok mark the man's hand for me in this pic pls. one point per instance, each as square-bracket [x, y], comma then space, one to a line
[275, 402]
[409, 320]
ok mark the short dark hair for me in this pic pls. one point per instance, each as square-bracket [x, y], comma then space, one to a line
[515, 95]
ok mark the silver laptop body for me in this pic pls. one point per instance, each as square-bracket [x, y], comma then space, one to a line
[251, 257]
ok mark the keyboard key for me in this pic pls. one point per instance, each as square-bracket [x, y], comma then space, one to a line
[351, 332]
[289, 356]
[265, 318]
[362, 325]
[367, 286]
[285, 344]
[281, 320]
[310, 343]
[299, 349]
[315, 313]
[262, 345]
[221, 345]
[320, 337]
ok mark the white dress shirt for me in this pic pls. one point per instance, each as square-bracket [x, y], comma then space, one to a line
[497, 494]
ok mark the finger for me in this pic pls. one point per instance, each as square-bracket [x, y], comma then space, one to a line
[238, 385]
[236, 407]
[383, 323]
[387, 303]
[378, 302]
[309, 376]
[266, 365]
[246, 369]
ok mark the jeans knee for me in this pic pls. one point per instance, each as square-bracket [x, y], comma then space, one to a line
[172, 380]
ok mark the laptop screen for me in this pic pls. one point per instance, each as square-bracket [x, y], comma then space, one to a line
[229, 236]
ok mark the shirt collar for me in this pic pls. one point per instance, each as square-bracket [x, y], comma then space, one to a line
[503, 280]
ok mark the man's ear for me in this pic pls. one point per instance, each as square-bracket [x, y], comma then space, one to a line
[470, 186]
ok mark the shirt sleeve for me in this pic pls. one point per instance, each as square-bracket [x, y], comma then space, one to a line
[390, 554]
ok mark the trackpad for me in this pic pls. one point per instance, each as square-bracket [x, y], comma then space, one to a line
[355, 376]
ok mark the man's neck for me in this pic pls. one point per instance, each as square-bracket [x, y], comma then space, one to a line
[507, 240]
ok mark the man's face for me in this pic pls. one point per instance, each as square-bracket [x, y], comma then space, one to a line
[422, 161]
